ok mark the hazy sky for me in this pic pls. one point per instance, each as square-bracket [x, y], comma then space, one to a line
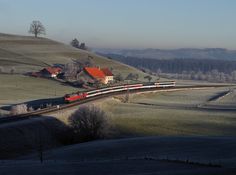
[127, 23]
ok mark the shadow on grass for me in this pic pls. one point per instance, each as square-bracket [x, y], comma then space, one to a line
[33, 135]
[41, 103]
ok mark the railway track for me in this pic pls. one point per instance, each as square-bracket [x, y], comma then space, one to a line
[38, 113]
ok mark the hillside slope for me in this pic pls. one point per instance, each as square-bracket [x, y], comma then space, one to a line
[28, 53]
[130, 156]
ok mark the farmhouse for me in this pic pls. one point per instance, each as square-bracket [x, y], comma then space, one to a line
[108, 74]
[103, 75]
[51, 72]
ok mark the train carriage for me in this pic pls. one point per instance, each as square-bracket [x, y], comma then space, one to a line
[82, 95]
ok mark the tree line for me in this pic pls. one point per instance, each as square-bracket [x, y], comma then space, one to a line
[196, 69]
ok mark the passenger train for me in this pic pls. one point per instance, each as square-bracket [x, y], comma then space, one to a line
[68, 98]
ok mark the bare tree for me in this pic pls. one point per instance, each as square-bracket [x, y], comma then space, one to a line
[119, 77]
[89, 123]
[130, 76]
[83, 46]
[70, 70]
[126, 97]
[75, 43]
[39, 143]
[41, 140]
[159, 71]
[136, 76]
[233, 74]
[37, 28]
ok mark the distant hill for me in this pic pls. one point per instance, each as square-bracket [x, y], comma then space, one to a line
[208, 53]
[26, 53]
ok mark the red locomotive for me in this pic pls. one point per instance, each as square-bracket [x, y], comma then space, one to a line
[75, 96]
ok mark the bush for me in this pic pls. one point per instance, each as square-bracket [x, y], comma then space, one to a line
[31, 109]
[132, 76]
[89, 123]
[19, 109]
[148, 77]
[119, 77]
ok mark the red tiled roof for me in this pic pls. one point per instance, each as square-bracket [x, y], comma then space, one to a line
[95, 72]
[53, 70]
[107, 72]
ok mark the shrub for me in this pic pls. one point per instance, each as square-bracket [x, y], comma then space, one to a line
[148, 77]
[126, 98]
[30, 109]
[119, 77]
[48, 105]
[89, 123]
[19, 109]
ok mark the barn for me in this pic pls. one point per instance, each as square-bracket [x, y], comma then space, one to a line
[50, 72]
[103, 75]
[108, 74]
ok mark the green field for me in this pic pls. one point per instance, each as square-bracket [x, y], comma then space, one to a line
[19, 88]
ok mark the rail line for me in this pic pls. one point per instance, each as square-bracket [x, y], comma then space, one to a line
[38, 113]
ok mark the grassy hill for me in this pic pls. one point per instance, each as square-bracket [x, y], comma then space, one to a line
[26, 54]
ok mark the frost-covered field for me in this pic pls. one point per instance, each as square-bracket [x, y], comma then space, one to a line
[132, 156]
[182, 126]
[229, 99]
[177, 97]
[188, 112]
[171, 113]
[18, 88]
